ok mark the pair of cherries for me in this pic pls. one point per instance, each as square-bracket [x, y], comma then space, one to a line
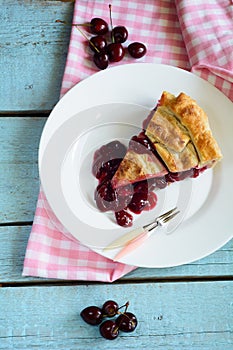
[105, 52]
[109, 328]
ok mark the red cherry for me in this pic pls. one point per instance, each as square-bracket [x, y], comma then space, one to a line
[109, 330]
[127, 322]
[98, 26]
[152, 201]
[137, 50]
[115, 52]
[101, 60]
[92, 315]
[124, 218]
[138, 202]
[110, 308]
[97, 42]
[119, 34]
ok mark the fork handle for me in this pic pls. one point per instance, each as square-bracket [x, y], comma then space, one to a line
[133, 243]
[121, 241]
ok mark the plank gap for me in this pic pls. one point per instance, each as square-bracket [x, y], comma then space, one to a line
[54, 282]
[17, 223]
[28, 113]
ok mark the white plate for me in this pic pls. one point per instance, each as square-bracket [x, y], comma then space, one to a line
[112, 105]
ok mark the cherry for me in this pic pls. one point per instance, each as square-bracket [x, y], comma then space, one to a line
[109, 330]
[141, 186]
[138, 202]
[98, 42]
[137, 50]
[123, 218]
[115, 52]
[152, 201]
[98, 26]
[110, 308]
[101, 60]
[119, 34]
[100, 57]
[108, 158]
[92, 315]
[105, 196]
[107, 170]
[127, 322]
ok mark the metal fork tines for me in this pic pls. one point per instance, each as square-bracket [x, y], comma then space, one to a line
[162, 219]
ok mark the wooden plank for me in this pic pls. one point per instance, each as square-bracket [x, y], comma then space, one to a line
[33, 53]
[170, 316]
[14, 241]
[19, 183]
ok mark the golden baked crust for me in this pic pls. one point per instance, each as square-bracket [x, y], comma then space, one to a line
[166, 129]
[177, 162]
[136, 167]
[195, 120]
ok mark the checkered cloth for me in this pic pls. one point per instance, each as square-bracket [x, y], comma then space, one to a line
[193, 35]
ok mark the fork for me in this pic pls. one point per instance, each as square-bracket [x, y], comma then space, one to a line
[135, 238]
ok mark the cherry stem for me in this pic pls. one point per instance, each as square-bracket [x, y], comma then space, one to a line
[86, 37]
[110, 13]
[77, 27]
[126, 305]
[73, 24]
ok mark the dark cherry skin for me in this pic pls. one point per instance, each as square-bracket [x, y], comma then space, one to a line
[109, 330]
[98, 43]
[101, 60]
[119, 34]
[92, 315]
[98, 26]
[127, 322]
[138, 202]
[137, 50]
[151, 201]
[123, 218]
[116, 52]
[110, 308]
[110, 154]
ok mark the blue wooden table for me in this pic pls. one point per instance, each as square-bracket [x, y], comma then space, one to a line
[186, 307]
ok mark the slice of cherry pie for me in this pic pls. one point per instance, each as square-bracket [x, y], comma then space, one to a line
[176, 143]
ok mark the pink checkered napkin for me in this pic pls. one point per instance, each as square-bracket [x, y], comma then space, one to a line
[207, 28]
[52, 252]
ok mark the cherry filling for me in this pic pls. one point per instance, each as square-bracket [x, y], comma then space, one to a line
[134, 197]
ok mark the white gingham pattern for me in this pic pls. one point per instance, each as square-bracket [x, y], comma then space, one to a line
[193, 35]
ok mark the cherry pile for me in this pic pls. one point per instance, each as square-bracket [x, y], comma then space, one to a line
[110, 328]
[113, 51]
